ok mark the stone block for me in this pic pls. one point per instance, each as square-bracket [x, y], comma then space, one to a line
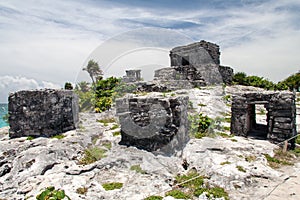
[42, 112]
[154, 123]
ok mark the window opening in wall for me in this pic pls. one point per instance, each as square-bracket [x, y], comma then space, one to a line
[258, 120]
[185, 61]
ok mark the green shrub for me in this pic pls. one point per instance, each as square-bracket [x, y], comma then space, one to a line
[298, 140]
[177, 194]
[199, 124]
[92, 155]
[138, 169]
[216, 192]
[154, 198]
[30, 138]
[112, 186]
[68, 86]
[240, 168]
[51, 193]
[58, 136]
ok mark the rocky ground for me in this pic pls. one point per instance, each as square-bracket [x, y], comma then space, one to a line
[236, 164]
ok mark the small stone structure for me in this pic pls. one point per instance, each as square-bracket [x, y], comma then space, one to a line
[42, 112]
[154, 123]
[280, 116]
[132, 76]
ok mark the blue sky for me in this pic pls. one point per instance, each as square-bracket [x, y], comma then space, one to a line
[46, 43]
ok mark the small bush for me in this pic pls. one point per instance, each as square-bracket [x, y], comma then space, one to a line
[112, 186]
[240, 168]
[92, 155]
[51, 193]
[177, 194]
[199, 125]
[138, 169]
[298, 140]
[154, 198]
[30, 138]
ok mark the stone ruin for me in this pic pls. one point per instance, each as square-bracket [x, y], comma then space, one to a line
[42, 112]
[132, 76]
[154, 123]
[280, 116]
[194, 65]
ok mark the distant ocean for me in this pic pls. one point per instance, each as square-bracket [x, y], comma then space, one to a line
[3, 111]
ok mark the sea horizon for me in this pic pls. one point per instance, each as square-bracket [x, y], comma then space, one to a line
[3, 112]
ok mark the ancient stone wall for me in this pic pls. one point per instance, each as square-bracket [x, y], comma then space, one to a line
[153, 123]
[227, 74]
[42, 112]
[280, 116]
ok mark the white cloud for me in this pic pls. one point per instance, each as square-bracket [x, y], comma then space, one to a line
[10, 84]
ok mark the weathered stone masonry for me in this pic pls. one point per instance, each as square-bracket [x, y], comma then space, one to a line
[154, 124]
[281, 115]
[42, 112]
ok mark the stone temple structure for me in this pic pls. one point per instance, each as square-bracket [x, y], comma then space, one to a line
[132, 76]
[42, 112]
[193, 65]
[154, 123]
[280, 116]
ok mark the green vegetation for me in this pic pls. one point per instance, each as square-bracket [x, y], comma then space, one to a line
[138, 169]
[234, 140]
[107, 120]
[60, 136]
[154, 198]
[51, 193]
[291, 83]
[92, 155]
[199, 125]
[192, 184]
[94, 71]
[280, 158]
[226, 128]
[82, 190]
[107, 145]
[298, 140]
[30, 138]
[216, 192]
[115, 126]
[112, 186]
[68, 86]
[227, 98]
[225, 163]
[240, 168]
[117, 133]
[178, 194]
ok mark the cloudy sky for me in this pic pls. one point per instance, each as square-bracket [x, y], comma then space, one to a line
[46, 43]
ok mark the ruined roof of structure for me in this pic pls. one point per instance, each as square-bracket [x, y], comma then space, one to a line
[193, 45]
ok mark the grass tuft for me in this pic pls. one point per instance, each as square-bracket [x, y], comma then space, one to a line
[112, 186]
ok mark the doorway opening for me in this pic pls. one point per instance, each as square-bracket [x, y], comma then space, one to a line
[258, 118]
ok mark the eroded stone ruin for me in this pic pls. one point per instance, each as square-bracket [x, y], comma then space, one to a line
[193, 65]
[42, 112]
[132, 76]
[154, 123]
[280, 116]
